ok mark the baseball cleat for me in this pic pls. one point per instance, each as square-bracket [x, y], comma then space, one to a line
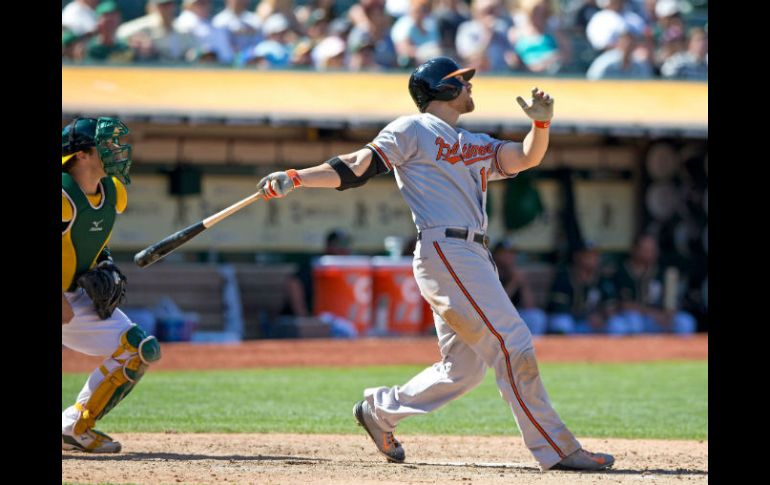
[91, 441]
[386, 443]
[585, 460]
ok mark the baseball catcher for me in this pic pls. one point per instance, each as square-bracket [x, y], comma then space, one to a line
[95, 167]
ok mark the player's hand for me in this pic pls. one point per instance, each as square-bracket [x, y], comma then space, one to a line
[541, 108]
[275, 185]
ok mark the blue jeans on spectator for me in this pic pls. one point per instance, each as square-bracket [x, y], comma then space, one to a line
[634, 322]
[535, 319]
[567, 324]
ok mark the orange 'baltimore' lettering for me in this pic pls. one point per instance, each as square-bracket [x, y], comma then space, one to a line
[469, 154]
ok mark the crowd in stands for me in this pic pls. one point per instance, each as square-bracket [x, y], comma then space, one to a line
[587, 297]
[595, 38]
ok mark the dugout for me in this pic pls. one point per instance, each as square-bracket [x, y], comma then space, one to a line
[625, 156]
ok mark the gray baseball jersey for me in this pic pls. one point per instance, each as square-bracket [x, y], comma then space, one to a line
[443, 173]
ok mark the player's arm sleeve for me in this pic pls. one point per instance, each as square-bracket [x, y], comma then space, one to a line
[122, 196]
[496, 171]
[396, 143]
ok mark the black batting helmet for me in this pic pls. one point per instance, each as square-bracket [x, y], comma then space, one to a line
[435, 79]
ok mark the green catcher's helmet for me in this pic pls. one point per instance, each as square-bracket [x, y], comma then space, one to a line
[104, 134]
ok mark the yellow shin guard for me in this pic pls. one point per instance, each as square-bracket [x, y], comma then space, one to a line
[121, 371]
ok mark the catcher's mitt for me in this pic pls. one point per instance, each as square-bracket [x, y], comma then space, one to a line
[106, 286]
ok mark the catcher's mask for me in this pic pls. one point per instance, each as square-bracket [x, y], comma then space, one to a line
[104, 134]
[435, 79]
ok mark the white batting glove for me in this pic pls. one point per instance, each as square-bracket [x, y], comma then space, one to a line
[275, 185]
[541, 108]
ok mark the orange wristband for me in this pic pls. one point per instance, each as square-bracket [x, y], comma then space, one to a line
[294, 176]
[542, 124]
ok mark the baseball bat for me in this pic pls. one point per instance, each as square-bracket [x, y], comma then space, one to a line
[150, 254]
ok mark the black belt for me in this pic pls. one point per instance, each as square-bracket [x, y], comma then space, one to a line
[480, 238]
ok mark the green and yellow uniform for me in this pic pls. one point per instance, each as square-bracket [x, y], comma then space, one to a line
[87, 222]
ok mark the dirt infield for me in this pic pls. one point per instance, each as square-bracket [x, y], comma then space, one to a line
[352, 459]
[424, 350]
[169, 458]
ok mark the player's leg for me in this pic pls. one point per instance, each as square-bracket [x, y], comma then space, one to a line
[459, 371]
[128, 351]
[473, 302]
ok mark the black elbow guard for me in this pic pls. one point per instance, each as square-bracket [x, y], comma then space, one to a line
[348, 178]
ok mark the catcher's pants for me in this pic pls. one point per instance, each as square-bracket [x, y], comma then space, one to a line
[88, 334]
[477, 327]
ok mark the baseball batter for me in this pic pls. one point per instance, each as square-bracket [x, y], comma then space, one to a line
[94, 170]
[443, 173]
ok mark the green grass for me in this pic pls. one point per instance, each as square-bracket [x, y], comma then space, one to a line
[666, 400]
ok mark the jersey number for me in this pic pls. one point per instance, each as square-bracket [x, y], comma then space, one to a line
[484, 173]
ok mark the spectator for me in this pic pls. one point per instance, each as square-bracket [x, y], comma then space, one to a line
[204, 54]
[581, 300]
[73, 47]
[369, 16]
[538, 39]
[241, 25]
[641, 294]
[619, 62]
[195, 20]
[517, 287]
[372, 24]
[483, 41]
[362, 55]
[450, 14]
[154, 37]
[79, 16]
[316, 27]
[409, 246]
[104, 46]
[607, 25]
[329, 53]
[338, 243]
[669, 31]
[397, 8]
[645, 9]
[693, 64]
[324, 8]
[416, 35]
[266, 8]
[274, 51]
[584, 14]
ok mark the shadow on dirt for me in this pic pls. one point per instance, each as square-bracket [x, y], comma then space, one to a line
[145, 456]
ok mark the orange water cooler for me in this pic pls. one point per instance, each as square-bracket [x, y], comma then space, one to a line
[399, 309]
[343, 286]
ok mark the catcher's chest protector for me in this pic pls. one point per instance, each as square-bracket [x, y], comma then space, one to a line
[89, 230]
